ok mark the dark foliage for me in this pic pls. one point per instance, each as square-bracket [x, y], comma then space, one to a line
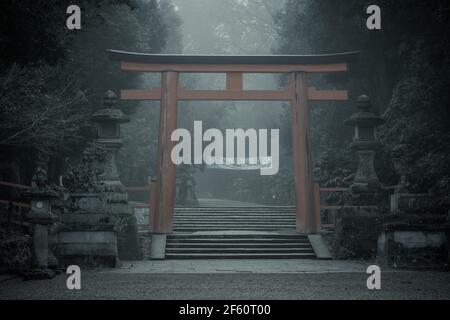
[52, 79]
[404, 67]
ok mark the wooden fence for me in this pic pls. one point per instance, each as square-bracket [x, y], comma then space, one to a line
[15, 186]
[325, 223]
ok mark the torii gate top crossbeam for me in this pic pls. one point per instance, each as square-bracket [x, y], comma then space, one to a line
[202, 59]
[143, 62]
[234, 67]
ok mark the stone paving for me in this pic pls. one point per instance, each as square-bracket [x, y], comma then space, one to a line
[233, 286]
[234, 280]
[241, 266]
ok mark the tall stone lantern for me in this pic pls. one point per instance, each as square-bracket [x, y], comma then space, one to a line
[365, 144]
[108, 122]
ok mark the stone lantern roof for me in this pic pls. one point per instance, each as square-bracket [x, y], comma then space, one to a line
[109, 113]
[364, 121]
[365, 115]
[114, 115]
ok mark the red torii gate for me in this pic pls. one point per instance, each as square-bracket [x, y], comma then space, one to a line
[297, 92]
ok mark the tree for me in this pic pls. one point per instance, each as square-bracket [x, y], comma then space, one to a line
[404, 67]
[53, 79]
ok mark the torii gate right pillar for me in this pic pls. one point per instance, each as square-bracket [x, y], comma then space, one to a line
[303, 173]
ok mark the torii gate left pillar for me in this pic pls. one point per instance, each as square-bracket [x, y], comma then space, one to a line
[297, 93]
[164, 188]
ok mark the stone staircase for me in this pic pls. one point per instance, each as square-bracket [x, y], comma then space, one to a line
[236, 233]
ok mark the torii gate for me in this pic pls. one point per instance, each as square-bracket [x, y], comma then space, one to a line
[297, 92]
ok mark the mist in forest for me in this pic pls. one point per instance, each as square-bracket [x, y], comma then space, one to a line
[227, 28]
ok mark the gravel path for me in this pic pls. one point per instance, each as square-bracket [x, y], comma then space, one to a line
[114, 285]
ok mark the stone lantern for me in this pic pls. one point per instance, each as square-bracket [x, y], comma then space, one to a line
[185, 187]
[117, 206]
[108, 122]
[365, 144]
[41, 219]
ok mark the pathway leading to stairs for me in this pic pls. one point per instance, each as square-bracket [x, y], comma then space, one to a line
[277, 266]
[232, 286]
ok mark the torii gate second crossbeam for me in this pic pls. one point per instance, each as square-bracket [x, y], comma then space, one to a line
[296, 92]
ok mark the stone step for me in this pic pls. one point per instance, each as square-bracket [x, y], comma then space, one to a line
[241, 256]
[238, 218]
[233, 222]
[235, 214]
[237, 208]
[238, 250]
[231, 228]
[259, 218]
[233, 241]
[237, 211]
[210, 217]
[237, 237]
[216, 217]
[225, 214]
[237, 233]
[236, 245]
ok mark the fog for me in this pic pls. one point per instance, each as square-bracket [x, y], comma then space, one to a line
[230, 27]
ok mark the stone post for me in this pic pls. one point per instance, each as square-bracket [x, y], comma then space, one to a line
[400, 168]
[365, 144]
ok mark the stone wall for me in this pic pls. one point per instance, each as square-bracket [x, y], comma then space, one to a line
[414, 246]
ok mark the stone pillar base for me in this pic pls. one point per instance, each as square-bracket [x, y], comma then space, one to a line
[158, 247]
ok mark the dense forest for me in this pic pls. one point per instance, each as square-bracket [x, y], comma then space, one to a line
[404, 68]
[52, 79]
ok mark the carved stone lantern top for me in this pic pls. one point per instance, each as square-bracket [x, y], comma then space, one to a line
[40, 195]
[40, 187]
[109, 113]
[40, 179]
[364, 121]
[108, 121]
[365, 115]
[109, 99]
